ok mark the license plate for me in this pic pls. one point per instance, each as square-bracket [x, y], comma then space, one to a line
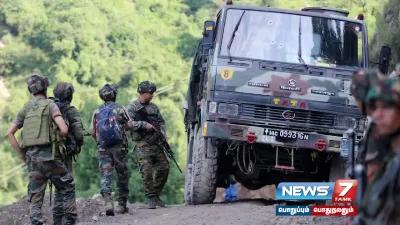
[344, 146]
[286, 134]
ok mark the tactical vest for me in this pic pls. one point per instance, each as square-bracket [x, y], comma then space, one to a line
[40, 129]
[37, 124]
[378, 205]
[144, 113]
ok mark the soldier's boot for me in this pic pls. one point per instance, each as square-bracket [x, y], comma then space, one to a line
[159, 202]
[57, 219]
[70, 219]
[152, 203]
[109, 205]
[121, 207]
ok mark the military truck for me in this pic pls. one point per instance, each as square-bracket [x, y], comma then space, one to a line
[268, 99]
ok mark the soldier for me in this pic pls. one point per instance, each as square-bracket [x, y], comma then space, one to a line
[114, 155]
[372, 146]
[149, 157]
[39, 144]
[379, 200]
[64, 93]
[74, 140]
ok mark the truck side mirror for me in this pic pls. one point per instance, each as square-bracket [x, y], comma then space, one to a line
[384, 59]
[208, 34]
[207, 42]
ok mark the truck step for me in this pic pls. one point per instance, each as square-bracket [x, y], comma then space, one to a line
[277, 166]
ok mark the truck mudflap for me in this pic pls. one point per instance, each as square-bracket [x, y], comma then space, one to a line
[273, 136]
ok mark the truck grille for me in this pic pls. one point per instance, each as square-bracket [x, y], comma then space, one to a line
[304, 118]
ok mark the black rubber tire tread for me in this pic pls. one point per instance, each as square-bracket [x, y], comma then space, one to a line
[189, 171]
[204, 177]
[188, 185]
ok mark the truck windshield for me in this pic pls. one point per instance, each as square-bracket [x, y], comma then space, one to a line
[276, 37]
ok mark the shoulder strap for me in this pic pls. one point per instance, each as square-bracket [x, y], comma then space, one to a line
[112, 105]
[40, 103]
[68, 108]
[44, 102]
[48, 101]
[141, 113]
[137, 105]
[134, 105]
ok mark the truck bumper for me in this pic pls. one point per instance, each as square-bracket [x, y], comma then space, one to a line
[276, 137]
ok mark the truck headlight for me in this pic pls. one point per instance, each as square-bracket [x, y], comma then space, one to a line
[228, 109]
[345, 122]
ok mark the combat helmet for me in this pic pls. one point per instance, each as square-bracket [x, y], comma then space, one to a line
[361, 83]
[386, 89]
[64, 91]
[108, 93]
[146, 86]
[37, 84]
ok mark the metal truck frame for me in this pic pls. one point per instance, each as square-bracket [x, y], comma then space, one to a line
[254, 116]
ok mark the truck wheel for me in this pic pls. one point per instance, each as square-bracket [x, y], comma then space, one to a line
[204, 175]
[189, 169]
[188, 184]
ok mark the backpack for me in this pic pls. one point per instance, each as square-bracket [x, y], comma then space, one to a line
[109, 131]
[72, 147]
[38, 125]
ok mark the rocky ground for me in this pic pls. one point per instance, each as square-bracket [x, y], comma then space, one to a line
[256, 210]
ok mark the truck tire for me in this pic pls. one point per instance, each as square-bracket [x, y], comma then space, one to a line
[204, 171]
[189, 169]
[188, 184]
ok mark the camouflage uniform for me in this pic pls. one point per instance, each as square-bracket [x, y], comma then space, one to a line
[76, 131]
[63, 92]
[42, 167]
[150, 158]
[372, 147]
[115, 156]
[379, 201]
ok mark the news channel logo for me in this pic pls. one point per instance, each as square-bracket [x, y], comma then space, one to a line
[340, 191]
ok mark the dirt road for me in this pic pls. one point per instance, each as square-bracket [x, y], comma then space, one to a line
[253, 212]
[240, 213]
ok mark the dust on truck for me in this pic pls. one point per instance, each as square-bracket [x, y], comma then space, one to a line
[269, 97]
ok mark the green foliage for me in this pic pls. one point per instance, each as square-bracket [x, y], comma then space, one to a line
[387, 32]
[94, 42]
[91, 43]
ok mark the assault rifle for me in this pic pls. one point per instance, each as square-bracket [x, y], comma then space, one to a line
[159, 139]
[355, 169]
